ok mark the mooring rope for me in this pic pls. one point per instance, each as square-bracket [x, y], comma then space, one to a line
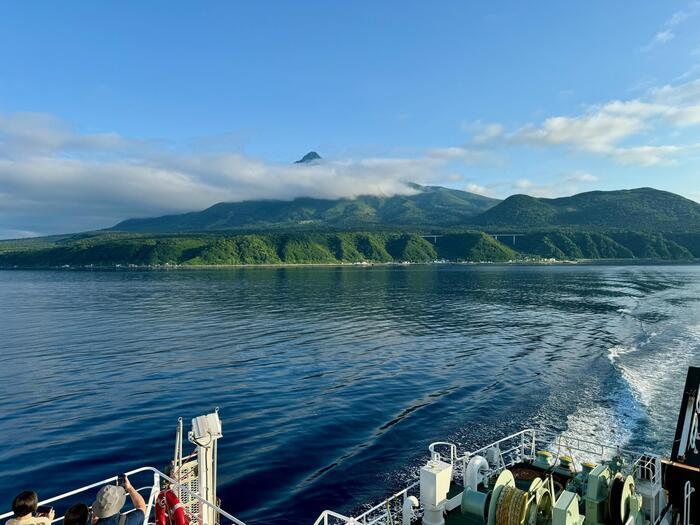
[511, 507]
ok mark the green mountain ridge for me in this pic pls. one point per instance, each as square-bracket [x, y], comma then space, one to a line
[427, 206]
[434, 208]
[644, 209]
[638, 224]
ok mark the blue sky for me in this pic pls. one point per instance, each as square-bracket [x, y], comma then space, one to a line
[116, 109]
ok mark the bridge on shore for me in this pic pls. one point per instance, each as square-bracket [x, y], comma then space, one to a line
[507, 235]
[496, 236]
[433, 237]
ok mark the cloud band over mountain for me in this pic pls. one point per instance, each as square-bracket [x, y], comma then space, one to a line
[55, 179]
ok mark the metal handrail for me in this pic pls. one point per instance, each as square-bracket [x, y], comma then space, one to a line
[157, 475]
[452, 447]
[520, 444]
[528, 439]
[403, 492]
[323, 518]
[60, 518]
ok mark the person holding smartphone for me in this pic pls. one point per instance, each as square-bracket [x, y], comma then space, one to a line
[109, 502]
[27, 511]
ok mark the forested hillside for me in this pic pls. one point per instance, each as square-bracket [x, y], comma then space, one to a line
[112, 249]
[642, 209]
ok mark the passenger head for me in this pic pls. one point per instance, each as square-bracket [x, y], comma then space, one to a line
[109, 501]
[25, 503]
[168, 471]
[76, 515]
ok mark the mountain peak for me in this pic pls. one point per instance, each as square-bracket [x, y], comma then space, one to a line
[311, 156]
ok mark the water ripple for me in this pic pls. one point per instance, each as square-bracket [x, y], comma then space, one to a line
[331, 381]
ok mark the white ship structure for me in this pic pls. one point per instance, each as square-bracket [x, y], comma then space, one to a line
[528, 478]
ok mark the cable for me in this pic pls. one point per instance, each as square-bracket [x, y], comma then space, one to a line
[512, 506]
[211, 440]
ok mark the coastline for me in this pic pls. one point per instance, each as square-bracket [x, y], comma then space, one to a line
[366, 265]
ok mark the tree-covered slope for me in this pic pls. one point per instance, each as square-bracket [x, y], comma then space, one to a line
[110, 249]
[429, 206]
[642, 209]
[296, 248]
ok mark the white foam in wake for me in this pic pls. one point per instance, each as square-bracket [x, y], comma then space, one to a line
[615, 352]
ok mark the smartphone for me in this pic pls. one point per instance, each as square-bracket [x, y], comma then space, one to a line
[121, 480]
[43, 510]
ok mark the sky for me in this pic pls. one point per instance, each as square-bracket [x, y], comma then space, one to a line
[111, 110]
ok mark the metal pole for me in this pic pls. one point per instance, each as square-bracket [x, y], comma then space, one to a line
[154, 492]
[688, 490]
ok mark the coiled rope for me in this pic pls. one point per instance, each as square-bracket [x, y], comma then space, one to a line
[512, 506]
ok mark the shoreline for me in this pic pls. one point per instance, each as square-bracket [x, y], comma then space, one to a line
[199, 267]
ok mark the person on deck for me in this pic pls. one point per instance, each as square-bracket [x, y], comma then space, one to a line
[76, 515]
[109, 502]
[24, 508]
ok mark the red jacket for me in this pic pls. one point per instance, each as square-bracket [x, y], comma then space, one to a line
[169, 510]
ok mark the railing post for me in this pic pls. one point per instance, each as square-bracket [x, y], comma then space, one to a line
[687, 491]
[465, 461]
[154, 494]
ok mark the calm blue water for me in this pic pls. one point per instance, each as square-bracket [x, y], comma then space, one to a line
[331, 381]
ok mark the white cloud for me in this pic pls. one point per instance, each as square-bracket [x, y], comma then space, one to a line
[686, 94]
[582, 176]
[560, 186]
[647, 155]
[456, 153]
[667, 32]
[479, 189]
[54, 179]
[524, 184]
[659, 38]
[483, 132]
[32, 134]
[691, 72]
[607, 129]
[593, 132]
[16, 234]
[533, 189]
[489, 133]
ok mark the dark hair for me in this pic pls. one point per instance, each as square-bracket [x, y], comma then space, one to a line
[25, 503]
[76, 515]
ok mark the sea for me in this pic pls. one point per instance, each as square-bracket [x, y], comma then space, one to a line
[330, 381]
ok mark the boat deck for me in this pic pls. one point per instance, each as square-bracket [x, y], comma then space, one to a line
[454, 517]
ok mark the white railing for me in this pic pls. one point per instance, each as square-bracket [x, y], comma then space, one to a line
[503, 454]
[328, 517]
[451, 447]
[688, 490]
[388, 511]
[158, 476]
